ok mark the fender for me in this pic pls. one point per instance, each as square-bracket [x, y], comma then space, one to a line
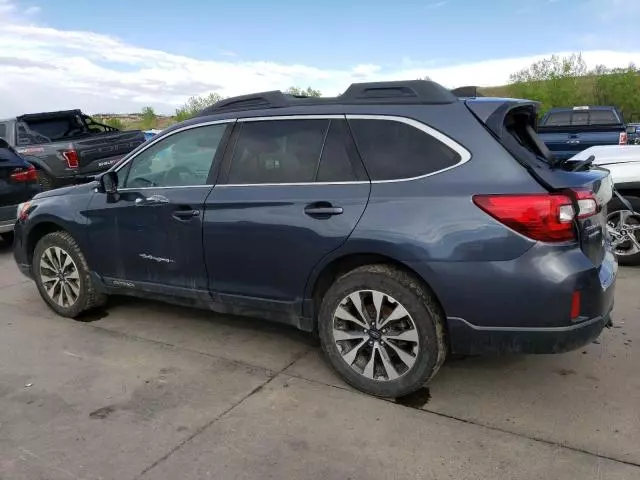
[38, 163]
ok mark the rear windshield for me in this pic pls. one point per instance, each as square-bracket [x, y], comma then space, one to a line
[581, 117]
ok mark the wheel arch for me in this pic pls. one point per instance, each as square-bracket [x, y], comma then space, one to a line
[37, 232]
[325, 276]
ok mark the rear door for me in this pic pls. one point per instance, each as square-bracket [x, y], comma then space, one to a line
[291, 191]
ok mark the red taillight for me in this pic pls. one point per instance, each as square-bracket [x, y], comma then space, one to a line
[575, 305]
[546, 217]
[24, 174]
[71, 156]
[624, 138]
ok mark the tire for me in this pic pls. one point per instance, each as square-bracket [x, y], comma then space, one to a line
[613, 218]
[87, 297]
[7, 237]
[47, 182]
[424, 323]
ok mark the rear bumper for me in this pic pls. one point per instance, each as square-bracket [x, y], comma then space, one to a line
[524, 305]
[468, 339]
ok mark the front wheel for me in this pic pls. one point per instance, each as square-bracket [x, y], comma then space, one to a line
[382, 331]
[62, 276]
[623, 226]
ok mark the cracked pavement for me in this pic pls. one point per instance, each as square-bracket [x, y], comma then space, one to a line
[145, 390]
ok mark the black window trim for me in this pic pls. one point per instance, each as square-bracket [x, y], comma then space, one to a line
[464, 154]
[159, 138]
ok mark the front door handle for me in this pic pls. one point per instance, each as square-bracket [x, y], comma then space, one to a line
[322, 209]
[151, 200]
[186, 214]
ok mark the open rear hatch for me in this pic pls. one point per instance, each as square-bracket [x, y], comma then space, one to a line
[590, 188]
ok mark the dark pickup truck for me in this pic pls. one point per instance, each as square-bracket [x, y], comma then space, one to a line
[568, 131]
[66, 147]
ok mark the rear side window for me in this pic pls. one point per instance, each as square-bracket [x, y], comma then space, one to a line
[339, 162]
[278, 151]
[394, 150]
[3, 131]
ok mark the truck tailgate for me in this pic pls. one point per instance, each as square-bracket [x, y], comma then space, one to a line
[566, 144]
[99, 152]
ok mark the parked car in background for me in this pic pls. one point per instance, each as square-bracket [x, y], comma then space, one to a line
[150, 133]
[633, 132]
[18, 183]
[399, 221]
[567, 131]
[623, 162]
[67, 146]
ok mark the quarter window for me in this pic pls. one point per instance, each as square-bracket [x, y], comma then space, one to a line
[181, 159]
[393, 150]
[278, 151]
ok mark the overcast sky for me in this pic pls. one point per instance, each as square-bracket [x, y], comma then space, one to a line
[120, 55]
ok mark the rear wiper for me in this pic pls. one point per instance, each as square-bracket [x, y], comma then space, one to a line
[579, 165]
[583, 163]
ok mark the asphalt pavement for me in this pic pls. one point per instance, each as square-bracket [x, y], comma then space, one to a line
[144, 390]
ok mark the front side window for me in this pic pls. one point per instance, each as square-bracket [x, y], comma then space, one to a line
[278, 151]
[181, 159]
[394, 150]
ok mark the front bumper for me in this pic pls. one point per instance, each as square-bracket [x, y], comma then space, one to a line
[7, 218]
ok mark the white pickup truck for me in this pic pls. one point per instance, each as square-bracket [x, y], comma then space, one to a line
[623, 161]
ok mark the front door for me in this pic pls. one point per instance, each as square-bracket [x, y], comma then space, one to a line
[290, 192]
[149, 234]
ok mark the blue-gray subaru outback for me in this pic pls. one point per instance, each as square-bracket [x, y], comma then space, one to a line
[400, 221]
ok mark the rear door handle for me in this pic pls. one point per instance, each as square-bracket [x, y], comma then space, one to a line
[186, 214]
[322, 211]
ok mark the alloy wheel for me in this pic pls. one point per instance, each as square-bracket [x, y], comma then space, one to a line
[375, 335]
[60, 276]
[623, 227]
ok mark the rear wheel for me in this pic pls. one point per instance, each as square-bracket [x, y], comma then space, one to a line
[382, 331]
[62, 276]
[47, 182]
[624, 228]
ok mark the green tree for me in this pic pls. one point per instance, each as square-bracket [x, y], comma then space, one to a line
[555, 82]
[566, 82]
[195, 105]
[149, 118]
[299, 92]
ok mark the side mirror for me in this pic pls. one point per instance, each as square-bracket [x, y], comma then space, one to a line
[109, 182]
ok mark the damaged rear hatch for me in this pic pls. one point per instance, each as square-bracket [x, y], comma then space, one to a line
[513, 123]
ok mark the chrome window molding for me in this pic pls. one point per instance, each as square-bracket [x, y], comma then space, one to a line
[464, 154]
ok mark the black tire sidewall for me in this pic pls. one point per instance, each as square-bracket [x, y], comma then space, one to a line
[616, 205]
[427, 362]
[68, 245]
[45, 180]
